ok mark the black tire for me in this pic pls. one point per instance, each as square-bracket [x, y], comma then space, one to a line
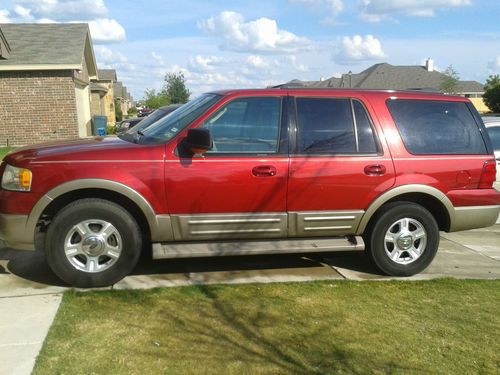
[126, 235]
[387, 218]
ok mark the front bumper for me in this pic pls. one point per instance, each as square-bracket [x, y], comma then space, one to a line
[14, 232]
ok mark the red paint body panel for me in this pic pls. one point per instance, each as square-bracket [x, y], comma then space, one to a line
[216, 184]
[335, 183]
[137, 166]
[225, 185]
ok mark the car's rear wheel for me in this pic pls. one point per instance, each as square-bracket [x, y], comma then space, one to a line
[403, 239]
[93, 242]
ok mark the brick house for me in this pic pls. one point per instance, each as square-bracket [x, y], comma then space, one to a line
[106, 80]
[44, 82]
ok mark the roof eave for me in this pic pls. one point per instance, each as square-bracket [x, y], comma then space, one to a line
[89, 57]
[32, 67]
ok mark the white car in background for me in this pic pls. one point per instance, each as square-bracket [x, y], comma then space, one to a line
[492, 124]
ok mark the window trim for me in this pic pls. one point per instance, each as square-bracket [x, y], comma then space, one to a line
[486, 144]
[279, 153]
[295, 123]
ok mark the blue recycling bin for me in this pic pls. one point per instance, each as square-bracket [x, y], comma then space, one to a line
[99, 125]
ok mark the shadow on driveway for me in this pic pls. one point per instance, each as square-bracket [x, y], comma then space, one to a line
[32, 266]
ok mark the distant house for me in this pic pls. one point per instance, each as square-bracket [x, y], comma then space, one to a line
[97, 94]
[390, 77]
[123, 97]
[45, 73]
[106, 80]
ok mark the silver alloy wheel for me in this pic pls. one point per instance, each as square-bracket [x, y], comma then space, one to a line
[93, 245]
[405, 241]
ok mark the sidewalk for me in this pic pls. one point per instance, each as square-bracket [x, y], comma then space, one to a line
[30, 293]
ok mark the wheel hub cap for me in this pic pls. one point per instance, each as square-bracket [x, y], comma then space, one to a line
[405, 241]
[93, 245]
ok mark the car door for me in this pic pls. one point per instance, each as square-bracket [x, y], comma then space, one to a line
[237, 189]
[337, 168]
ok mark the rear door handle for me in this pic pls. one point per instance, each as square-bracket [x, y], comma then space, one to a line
[264, 171]
[375, 170]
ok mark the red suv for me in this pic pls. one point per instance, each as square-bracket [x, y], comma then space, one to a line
[253, 172]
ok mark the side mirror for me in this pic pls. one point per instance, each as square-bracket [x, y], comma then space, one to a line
[199, 140]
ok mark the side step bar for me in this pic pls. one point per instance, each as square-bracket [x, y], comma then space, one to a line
[171, 250]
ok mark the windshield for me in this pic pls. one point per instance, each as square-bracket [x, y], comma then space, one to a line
[168, 127]
[155, 115]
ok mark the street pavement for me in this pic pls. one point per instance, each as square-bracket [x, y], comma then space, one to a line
[30, 293]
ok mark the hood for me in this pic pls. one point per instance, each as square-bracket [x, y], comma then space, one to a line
[97, 148]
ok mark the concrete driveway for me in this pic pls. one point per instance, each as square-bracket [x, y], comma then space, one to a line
[30, 293]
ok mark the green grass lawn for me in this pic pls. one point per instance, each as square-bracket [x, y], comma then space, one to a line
[4, 151]
[430, 327]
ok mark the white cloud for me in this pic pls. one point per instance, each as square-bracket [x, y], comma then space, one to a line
[93, 12]
[204, 63]
[261, 35]
[378, 10]
[297, 67]
[4, 16]
[65, 10]
[45, 20]
[158, 59]
[332, 8]
[494, 66]
[23, 13]
[257, 62]
[109, 59]
[105, 30]
[357, 48]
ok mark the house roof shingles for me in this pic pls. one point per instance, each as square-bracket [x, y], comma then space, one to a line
[45, 44]
[107, 75]
[389, 77]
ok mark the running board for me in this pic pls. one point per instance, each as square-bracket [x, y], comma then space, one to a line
[221, 248]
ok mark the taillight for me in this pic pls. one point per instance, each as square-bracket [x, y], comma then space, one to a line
[488, 175]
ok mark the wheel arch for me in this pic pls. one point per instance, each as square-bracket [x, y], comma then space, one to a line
[114, 191]
[434, 200]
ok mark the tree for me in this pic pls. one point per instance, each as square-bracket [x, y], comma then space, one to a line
[491, 95]
[449, 85]
[154, 99]
[175, 88]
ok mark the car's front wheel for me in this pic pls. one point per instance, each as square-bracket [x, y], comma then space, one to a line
[92, 243]
[403, 239]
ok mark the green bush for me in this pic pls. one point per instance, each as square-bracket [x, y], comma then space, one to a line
[110, 130]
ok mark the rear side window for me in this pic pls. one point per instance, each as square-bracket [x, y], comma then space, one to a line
[436, 127]
[333, 126]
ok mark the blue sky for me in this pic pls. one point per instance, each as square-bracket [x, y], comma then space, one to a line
[225, 44]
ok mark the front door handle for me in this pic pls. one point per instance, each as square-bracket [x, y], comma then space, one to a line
[375, 170]
[264, 171]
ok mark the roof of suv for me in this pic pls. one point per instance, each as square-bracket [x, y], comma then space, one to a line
[407, 93]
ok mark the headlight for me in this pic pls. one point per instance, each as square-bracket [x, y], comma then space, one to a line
[16, 179]
[124, 125]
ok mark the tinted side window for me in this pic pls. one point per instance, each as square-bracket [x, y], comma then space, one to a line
[366, 136]
[246, 125]
[494, 134]
[436, 127]
[325, 126]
